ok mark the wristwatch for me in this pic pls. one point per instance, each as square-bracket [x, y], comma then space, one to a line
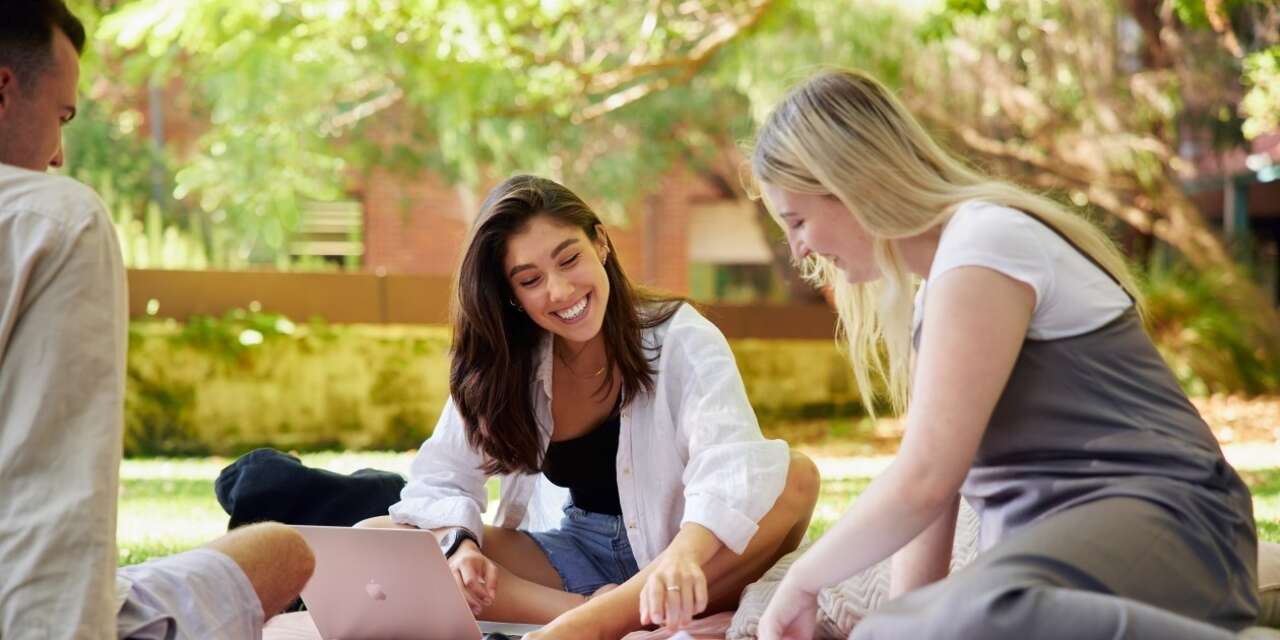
[453, 540]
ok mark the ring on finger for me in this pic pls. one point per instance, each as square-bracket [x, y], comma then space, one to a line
[673, 588]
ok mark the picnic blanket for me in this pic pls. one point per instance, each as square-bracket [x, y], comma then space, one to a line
[298, 626]
[841, 606]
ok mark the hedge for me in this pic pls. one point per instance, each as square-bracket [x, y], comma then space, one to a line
[224, 386]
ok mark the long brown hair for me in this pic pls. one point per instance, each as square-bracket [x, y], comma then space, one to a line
[495, 345]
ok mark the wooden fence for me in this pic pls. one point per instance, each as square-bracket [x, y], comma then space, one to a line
[369, 298]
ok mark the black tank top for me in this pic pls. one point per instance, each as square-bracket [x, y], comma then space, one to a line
[587, 466]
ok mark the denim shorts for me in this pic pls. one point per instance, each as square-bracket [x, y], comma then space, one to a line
[589, 550]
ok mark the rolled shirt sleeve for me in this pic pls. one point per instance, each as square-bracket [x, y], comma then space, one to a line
[446, 485]
[734, 475]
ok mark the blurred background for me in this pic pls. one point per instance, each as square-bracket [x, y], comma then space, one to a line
[292, 181]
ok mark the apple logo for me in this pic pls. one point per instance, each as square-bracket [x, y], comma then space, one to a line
[375, 590]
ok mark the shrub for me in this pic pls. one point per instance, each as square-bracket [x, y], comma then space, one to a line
[226, 385]
[1211, 347]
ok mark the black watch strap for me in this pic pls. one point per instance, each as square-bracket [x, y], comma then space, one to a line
[453, 540]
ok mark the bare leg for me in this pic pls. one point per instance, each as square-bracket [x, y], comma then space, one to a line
[617, 612]
[274, 557]
[529, 589]
[781, 531]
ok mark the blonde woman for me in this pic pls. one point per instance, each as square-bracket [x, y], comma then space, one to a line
[1107, 509]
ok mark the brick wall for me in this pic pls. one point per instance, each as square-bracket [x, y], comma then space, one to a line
[412, 224]
[417, 225]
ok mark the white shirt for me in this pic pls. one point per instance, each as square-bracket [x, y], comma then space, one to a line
[63, 331]
[1073, 295]
[691, 451]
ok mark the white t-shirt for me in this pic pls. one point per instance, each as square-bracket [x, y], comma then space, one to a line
[63, 330]
[1073, 296]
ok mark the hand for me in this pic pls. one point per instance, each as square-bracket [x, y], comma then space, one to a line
[792, 614]
[675, 591]
[476, 575]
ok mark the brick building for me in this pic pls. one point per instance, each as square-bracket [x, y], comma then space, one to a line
[685, 237]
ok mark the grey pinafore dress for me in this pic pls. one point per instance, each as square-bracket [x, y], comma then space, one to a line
[1107, 509]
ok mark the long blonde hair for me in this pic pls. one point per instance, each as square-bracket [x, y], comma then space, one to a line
[842, 133]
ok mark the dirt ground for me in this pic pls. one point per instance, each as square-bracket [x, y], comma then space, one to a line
[1234, 419]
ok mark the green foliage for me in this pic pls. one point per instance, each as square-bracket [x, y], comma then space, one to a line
[1209, 345]
[105, 152]
[789, 379]
[235, 334]
[1262, 103]
[227, 385]
[461, 88]
[298, 97]
[301, 94]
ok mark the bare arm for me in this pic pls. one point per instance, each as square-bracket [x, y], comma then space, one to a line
[679, 565]
[927, 558]
[975, 322]
[695, 541]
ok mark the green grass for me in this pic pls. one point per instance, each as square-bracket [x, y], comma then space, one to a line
[161, 516]
[167, 505]
[837, 494]
[1265, 484]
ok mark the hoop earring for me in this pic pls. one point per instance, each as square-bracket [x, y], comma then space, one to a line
[514, 304]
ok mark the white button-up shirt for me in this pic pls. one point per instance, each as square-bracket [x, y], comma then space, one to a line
[690, 451]
[63, 330]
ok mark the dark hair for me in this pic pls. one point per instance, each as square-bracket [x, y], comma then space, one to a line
[495, 344]
[26, 34]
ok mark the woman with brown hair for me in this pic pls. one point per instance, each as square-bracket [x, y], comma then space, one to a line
[565, 374]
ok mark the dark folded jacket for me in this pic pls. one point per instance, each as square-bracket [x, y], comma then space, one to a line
[266, 484]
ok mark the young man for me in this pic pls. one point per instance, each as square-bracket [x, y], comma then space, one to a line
[63, 331]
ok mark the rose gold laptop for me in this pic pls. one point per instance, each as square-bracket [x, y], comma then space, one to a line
[388, 584]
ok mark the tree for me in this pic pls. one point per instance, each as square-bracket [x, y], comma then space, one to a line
[299, 93]
[609, 96]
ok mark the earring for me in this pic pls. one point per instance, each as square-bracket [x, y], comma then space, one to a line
[515, 304]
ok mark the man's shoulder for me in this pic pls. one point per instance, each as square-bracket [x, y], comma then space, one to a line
[59, 198]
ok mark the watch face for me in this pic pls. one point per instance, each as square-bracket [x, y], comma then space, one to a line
[447, 542]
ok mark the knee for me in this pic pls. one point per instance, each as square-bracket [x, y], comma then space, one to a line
[1009, 603]
[376, 522]
[803, 484]
[276, 559]
[297, 561]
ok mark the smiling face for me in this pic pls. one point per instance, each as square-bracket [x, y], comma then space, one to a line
[35, 106]
[558, 277]
[822, 225]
